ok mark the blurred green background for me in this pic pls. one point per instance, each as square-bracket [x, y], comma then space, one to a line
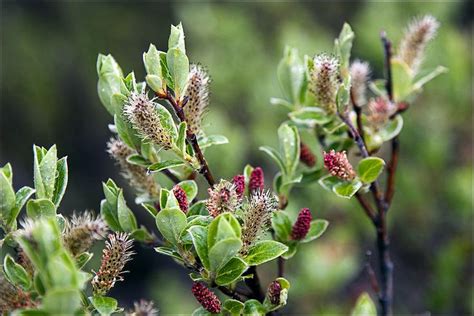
[48, 95]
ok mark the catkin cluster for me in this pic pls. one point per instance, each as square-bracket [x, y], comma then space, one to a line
[197, 93]
[324, 82]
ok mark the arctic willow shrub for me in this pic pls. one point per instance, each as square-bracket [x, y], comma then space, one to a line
[158, 144]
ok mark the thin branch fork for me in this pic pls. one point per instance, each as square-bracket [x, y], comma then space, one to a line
[190, 137]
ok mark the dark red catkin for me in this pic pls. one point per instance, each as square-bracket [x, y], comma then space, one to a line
[301, 227]
[257, 181]
[206, 298]
[180, 195]
[306, 155]
[273, 292]
[239, 182]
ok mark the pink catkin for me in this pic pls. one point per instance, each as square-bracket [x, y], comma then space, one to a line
[206, 298]
[180, 195]
[257, 181]
[306, 156]
[274, 290]
[239, 183]
[301, 227]
[338, 165]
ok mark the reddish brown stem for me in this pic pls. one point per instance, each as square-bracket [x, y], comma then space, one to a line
[392, 168]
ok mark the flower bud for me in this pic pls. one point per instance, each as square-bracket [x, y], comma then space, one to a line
[418, 34]
[338, 165]
[81, 232]
[273, 292]
[360, 72]
[222, 198]
[180, 195]
[306, 156]
[206, 298]
[141, 112]
[301, 227]
[197, 93]
[257, 180]
[239, 182]
[324, 82]
[380, 111]
[116, 254]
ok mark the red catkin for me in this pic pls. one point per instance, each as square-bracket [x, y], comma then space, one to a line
[239, 182]
[306, 155]
[301, 227]
[273, 293]
[257, 181]
[180, 195]
[206, 298]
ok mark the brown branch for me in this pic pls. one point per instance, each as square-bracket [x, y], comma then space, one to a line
[372, 277]
[367, 207]
[254, 284]
[391, 169]
[281, 267]
[236, 295]
[171, 176]
[190, 137]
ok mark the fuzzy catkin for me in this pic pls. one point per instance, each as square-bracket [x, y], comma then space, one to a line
[81, 232]
[197, 93]
[360, 72]
[141, 112]
[136, 175]
[257, 216]
[324, 82]
[222, 198]
[412, 47]
[11, 297]
[338, 165]
[142, 308]
[116, 254]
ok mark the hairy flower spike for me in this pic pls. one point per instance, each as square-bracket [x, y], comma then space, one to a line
[197, 92]
[338, 165]
[82, 230]
[306, 155]
[239, 183]
[206, 298]
[360, 72]
[180, 195]
[324, 81]
[301, 227]
[142, 308]
[141, 112]
[12, 298]
[222, 198]
[257, 214]
[412, 47]
[116, 254]
[273, 292]
[257, 180]
[380, 110]
[136, 175]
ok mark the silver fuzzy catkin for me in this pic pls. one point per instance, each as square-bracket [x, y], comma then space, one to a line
[360, 72]
[412, 47]
[136, 175]
[141, 112]
[222, 198]
[81, 232]
[257, 214]
[197, 93]
[324, 82]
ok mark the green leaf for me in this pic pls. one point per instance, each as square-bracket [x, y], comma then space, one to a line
[347, 189]
[292, 249]
[369, 169]
[428, 75]
[109, 213]
[176, 39]
[16, 274]
[233, 307]
[402, 77]
[110, 80]
[364, 306]
[222, 252]
[199, 238]
[200, 311]
[125, 130]
[171, 223]
[254, 308]
[289, 140]
[392, 129]
[181, 139]
[211, 140]
[138, 160]
[169, 252]
[21, 197]
[61, 301]
[83, 258]
[191, 189]
[166, 120]
[317, 228]
[45, 171]
[342, 96]
[292, 76]
[104, 305]
[7, 199]
[309, 116]
[329, 181]
[222, 227]
[125, 216]
[178, 65]
[281, 225]
[281, 102]
[40, 208]
[198, 208]
[61, 181]
[343, 45]
[152, 62]
[275, 155]
[231, 272]
[264, 251]
[167, 164]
